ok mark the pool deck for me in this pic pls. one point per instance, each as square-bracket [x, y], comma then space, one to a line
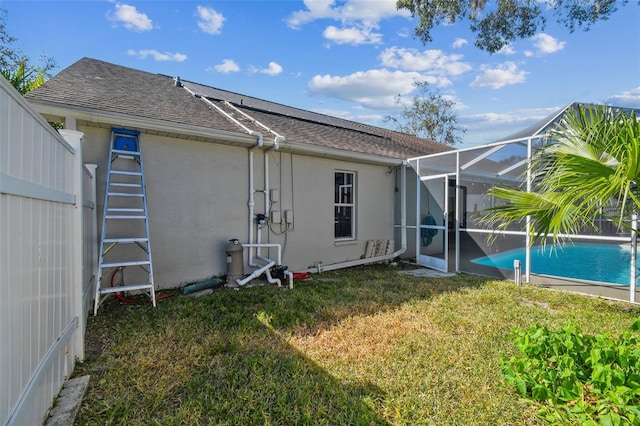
[609, 291]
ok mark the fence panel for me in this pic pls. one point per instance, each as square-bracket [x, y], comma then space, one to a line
[41, 265]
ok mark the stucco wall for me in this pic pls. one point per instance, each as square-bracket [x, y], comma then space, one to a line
[197, 197]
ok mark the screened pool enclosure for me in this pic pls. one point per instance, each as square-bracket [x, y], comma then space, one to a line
[451, 195]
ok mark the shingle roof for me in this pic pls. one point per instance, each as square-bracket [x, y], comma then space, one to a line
[95, 85]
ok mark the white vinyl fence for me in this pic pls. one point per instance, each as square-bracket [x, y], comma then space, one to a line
[47, 258]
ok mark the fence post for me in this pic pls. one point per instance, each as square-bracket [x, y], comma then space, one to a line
[74, 138]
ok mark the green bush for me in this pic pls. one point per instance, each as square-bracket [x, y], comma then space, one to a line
[578, 378]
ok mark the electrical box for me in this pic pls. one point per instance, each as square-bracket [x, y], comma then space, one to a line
[288, 216]
[274, 196]
[275, 217]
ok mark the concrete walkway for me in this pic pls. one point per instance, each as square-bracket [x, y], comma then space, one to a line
[68, 403]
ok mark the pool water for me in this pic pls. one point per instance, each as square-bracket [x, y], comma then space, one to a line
[585, 261]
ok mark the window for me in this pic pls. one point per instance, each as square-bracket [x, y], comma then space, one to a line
[345, 208]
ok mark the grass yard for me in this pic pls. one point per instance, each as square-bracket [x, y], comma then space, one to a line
[364, 346]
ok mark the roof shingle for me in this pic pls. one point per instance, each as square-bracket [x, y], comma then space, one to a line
[96, 86]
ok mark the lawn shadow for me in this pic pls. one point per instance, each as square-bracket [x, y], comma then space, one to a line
[225, 359]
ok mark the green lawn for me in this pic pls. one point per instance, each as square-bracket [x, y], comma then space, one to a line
[363, 346]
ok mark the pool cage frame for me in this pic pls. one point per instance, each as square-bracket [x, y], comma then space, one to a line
[450, 194]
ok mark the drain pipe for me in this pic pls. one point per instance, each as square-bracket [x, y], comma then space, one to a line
[403, 226]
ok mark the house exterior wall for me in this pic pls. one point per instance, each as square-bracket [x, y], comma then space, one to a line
[198, 196]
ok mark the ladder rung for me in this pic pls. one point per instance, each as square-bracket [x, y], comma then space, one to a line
[126, 185]
[129, 263]
[121, 209]
[125, 173]
[124, 194]
[126, 240]
[125, 152]
[131, 287]
[123, 217]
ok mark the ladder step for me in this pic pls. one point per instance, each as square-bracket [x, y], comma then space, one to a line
[123, 217]
[126, 240]
[129, 263]
[131, 287]
[126, 185]
[124, 173]
[122, 210]
[124, 194]
[125, 152]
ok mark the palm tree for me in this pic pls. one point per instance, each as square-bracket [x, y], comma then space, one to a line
[591, 160]
[24, 79]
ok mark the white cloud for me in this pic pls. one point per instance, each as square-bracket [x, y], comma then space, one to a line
[495, 78]
[546, 44]
[210, 20]
[375, 89]
[273, 69]
[227, 66]
[432, 61]
[359, 18]
[130, 18]
[365, 11]
[459, 42]
[158, 56]
[507, 49]
[351, 35]
[491, 126]
[628, 99]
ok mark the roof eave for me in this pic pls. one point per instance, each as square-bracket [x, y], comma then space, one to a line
[339, 154]
[220, 136]
[125, 120]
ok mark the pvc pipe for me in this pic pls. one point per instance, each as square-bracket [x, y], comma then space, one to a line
[266, 268]
[255, 274]
[290, 275]
[251, 203]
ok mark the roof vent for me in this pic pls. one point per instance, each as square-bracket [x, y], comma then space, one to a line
[178, 82]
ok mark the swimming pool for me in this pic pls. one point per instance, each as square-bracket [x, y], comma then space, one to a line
[585, 261]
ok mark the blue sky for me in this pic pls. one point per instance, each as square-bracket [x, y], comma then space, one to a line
[346, 58]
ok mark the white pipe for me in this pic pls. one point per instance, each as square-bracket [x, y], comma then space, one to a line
[275, 147]
[290, 275]
[266, 268]
[251, 203]
[277, 246]
[255, 274]
[403, 225]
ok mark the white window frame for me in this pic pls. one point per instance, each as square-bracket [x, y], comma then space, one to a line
[338, 205]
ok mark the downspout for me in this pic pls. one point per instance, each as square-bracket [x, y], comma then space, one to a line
[403, 227]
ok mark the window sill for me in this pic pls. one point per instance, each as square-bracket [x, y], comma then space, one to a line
[344, 242]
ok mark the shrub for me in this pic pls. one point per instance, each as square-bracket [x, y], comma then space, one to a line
[578, 378]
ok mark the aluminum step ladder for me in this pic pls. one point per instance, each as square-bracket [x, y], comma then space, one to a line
[124, 244]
